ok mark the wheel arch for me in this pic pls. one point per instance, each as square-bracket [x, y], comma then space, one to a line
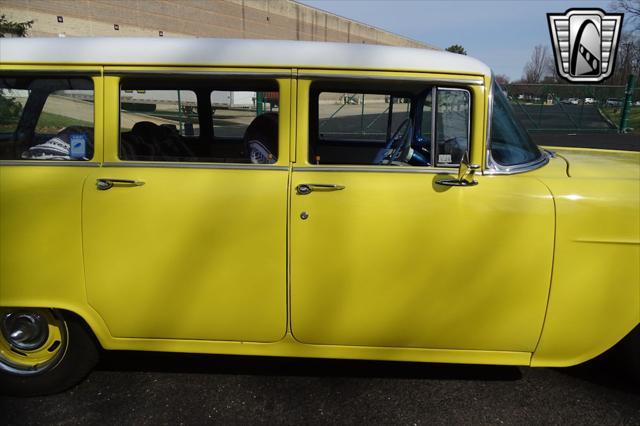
[88, 318]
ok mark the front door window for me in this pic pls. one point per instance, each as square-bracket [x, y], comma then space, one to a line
[389, 125]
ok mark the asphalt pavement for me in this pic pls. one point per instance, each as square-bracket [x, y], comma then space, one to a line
[155, 389]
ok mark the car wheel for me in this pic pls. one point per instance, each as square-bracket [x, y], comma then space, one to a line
[43, 352]
[629, 351]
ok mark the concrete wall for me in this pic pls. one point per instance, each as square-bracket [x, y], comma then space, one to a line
[270, 19]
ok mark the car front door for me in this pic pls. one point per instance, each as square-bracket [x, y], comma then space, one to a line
[383, 255]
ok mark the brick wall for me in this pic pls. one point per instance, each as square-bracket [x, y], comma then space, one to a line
[270, 19]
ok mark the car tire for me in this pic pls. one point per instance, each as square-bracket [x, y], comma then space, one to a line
[630, 353]
[79, 353]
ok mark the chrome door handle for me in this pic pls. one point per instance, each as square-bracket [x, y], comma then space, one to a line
[307, 188]
[106, 183]
[457, 182]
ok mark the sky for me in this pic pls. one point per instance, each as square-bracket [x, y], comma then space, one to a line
[501, 33]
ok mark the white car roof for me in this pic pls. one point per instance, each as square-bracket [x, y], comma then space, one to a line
[232, 52]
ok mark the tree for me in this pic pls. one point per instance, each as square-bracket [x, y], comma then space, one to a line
[502, 79]
[627, 59]
[10, 109]
[631, 8]
[551, 70]
[17, 29]
[535, 69]
[456, 48]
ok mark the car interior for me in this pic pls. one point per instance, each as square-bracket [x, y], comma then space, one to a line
[22, 133]
[393, 127]
[256, 142]
[397, 132]
[254, 139]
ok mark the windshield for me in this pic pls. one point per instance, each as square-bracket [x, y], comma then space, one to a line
[510, 144]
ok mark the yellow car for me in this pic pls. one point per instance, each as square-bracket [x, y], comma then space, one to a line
[296, 199]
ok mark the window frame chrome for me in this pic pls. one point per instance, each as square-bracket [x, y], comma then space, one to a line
[57, 163]
[316, 76]
[434, 135]
[50, 74]
[193, 165]
[433, 167]
[375, 169]
[492, 167]
[187, 164]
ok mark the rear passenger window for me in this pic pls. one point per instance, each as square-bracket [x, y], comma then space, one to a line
[177, 109]
[199, 121]
[46, 119]
[233, 111]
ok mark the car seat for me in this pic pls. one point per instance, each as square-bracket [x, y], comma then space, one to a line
[261, 139]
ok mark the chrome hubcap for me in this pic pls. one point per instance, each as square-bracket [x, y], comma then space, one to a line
[31, 340]
[25, 330]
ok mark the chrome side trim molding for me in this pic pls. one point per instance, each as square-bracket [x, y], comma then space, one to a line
[69, 163]
[46, 72]
[489, 119]
[178, 73]
[226, 166]
[471, 82]
[494, 168]
[376, 169]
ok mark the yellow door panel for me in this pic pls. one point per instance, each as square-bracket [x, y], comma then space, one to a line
[194, 253]
[395, 260]
[40, 234]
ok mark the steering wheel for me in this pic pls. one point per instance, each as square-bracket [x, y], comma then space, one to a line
[395, 144]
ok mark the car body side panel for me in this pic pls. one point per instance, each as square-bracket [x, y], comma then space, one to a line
[594, 296]
[289, 347]
[595, 293]
[41, 244]
[389, 261]
[397, 260]
[197, 252]
[41, 259]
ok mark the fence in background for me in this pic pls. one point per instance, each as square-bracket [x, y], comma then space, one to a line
[555, 108]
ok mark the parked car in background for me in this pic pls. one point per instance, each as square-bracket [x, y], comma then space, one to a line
[570, 101]
[613, 102]
[589, 101]
[426, 229]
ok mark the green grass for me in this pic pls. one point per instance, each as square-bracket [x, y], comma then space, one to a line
[613, 114]
[52, 123]
[8, 127]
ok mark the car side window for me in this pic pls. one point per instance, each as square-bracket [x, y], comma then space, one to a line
[388, 123]
[353, 127]
[510, 144]
[234, 110]
[199, 121]
[46, 119]
[452, 126]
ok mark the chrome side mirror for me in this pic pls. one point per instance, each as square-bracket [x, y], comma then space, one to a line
[465, 174]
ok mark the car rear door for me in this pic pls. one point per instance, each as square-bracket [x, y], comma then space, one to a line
[187, 248]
